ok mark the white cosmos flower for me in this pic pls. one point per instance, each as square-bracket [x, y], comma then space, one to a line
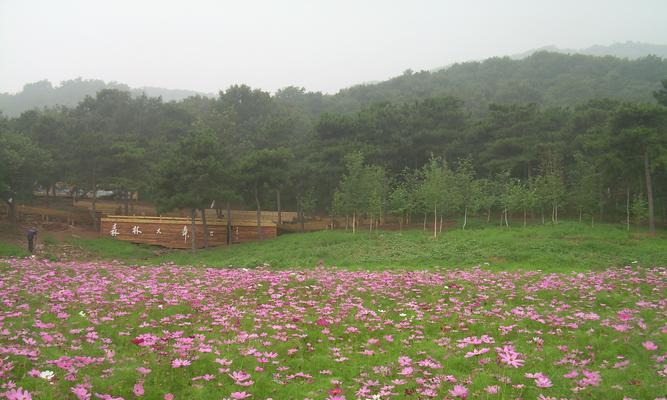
[81, 313]
[48, 375]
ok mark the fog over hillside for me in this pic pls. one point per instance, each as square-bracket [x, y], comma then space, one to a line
[629, 49]
[548, 76]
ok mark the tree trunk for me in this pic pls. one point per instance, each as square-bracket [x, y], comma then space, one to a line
[370, 229]
[280, 215]
[302, 218]
[649, 194]
[347, 221]
[592, 220]
[133, 201]
[126, 202]
[465, 217]
[440, 229]
[193, 215]
[205, 227]
[579, 216]
[299, 214]
[524, 217]
[556, 211]
[627, 208]
[488, 215]
[435, 220]
[11, 211]
[424, 221]
[354, 222]
[542, 213]
[93, 210]
[507, 224]
[400, 223]
[259, 213]
[229, 224]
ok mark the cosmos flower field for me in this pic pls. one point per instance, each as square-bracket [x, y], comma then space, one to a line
[114, 331]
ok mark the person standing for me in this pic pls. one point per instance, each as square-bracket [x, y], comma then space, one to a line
[32, 235]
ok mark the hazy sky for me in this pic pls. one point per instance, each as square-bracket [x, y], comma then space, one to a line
[320, 45]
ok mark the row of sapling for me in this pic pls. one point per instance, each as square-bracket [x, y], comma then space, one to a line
[362, 191]
[438, 191]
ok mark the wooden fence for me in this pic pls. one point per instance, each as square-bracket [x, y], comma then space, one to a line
[176, 232]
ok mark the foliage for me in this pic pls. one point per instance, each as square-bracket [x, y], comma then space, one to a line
[639, 209]
[202, 333]
[193, 174]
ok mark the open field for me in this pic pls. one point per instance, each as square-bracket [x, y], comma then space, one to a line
[82, 330]
[565, 247]
[564, 311]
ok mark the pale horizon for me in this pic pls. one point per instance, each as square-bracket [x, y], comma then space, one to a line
[207, 46]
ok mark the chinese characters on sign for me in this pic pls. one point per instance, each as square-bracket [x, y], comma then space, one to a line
[114, 230]
[136, 230]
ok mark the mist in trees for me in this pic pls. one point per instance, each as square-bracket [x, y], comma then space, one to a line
[425, 162]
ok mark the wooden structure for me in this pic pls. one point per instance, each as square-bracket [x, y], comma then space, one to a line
[109, 207]
[176, 232]
[46, 214]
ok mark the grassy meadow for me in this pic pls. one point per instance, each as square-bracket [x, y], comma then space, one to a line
[563, 247]
[552, 312]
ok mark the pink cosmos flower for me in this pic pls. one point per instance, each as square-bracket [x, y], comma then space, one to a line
[492, 389]
[507, 355]
[138, 389]
[168, 396]
[650, 346]
[543, 382]
[476, 352]
[81, 392]
[177, 363]
[571, 374]
[239, 395]
[18, 394]
[239, 376]
[459, 391]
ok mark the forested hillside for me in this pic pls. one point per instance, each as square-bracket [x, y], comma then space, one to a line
[601, 159]
[632, 50]
[70, 93]
[545, 78]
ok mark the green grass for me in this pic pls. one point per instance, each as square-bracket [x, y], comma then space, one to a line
[12, 250]
[564, 247]
[114, 249]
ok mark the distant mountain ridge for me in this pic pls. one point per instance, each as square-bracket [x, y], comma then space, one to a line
[552, 78]
[629, 49]
[69, 93]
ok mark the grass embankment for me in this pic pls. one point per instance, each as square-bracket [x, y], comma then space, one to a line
[565, 246]
[12, 250]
